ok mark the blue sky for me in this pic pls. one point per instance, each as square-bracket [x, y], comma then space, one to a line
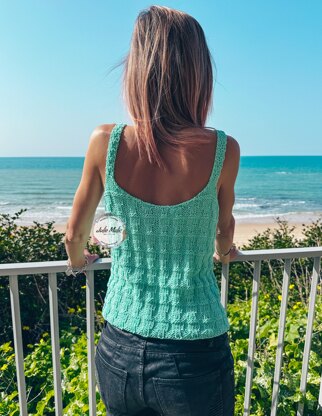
[55, 56]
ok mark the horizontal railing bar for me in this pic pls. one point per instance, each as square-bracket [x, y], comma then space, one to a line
[10, 269]
[47, 267]
[279, 253]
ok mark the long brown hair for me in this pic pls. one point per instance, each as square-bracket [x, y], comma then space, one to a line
[168, 81]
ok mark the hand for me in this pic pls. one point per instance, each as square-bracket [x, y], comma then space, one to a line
[234, 252]
[90, 257]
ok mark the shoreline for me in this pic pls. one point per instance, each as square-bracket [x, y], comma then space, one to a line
[246, 227]
[245, 230]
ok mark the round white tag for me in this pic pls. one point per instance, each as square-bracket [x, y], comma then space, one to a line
[109, 231]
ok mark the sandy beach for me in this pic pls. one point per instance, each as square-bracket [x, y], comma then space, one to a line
[246, 229]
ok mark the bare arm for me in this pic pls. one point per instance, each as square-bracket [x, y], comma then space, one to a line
[226, 199]
[86, 200]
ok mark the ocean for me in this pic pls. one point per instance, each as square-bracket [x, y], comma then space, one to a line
[267, 186]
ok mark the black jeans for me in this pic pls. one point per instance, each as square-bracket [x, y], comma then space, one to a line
[138, 375]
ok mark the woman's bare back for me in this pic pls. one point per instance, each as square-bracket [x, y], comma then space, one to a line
[188, 171]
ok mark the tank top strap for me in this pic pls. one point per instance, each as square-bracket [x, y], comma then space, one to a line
[220, 154]
[113, 145]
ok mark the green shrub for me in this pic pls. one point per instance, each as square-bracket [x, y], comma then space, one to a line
[265, 353]
[39, 377]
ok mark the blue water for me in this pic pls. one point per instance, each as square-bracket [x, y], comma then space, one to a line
[266, 186]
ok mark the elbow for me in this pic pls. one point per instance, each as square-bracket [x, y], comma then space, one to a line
[74, 236]
[226, 228]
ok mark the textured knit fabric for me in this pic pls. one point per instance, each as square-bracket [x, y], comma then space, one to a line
[162, 282]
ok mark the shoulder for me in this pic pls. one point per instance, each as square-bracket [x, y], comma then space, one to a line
[101, 133]
[231, 161]
[98, 143]
[232, 146]
[232, 151]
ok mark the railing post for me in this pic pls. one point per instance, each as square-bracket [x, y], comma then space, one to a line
[54, 332]
[309, 330]
[320, 395]
[252, 338]
[280, 338]
[224, 284]
[90, 341]
[17, 336]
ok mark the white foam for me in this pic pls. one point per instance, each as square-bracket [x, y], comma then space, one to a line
[245, 205]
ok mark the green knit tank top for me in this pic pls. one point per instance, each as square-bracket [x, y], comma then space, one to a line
[162, 282]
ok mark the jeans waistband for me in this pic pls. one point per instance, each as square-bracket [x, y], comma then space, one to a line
[128, 339]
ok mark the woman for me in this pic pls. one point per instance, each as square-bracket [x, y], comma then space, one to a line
[164, 348]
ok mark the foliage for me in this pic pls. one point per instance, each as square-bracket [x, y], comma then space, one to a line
[265, 354]
[42, 242]
[39, 377]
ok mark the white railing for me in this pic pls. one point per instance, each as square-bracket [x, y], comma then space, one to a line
[256, 256]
